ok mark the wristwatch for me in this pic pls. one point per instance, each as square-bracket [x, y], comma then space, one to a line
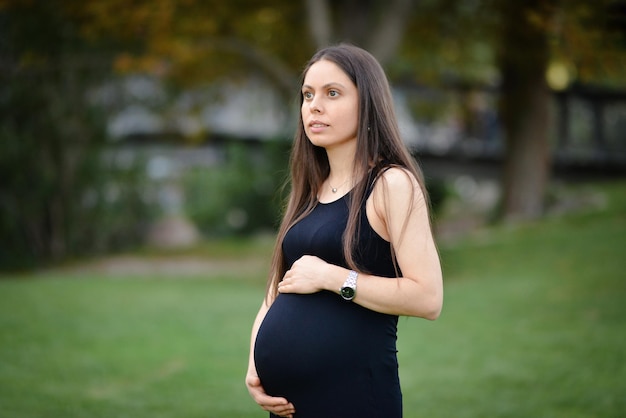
[348, 290]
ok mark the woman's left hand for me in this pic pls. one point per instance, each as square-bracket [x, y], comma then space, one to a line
[305, 276]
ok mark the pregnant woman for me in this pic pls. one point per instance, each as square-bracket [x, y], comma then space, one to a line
[354, 251]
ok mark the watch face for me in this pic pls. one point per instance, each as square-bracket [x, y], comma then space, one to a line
[347, 292]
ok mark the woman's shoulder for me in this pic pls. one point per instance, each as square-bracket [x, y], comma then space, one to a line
[397, 186]
[397, 178]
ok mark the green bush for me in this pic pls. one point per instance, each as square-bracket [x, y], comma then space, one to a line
[243, 194]
[437, 193]
[64, 192]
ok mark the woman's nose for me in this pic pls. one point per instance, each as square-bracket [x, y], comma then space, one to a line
[315, 106]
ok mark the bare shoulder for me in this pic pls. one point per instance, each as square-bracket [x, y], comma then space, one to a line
[396, 193]
[401, 182]
[397, 201]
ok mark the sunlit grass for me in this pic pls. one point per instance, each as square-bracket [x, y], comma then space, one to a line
[533, 326]
[125, 347]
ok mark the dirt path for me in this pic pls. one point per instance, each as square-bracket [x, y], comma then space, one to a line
[167, 266]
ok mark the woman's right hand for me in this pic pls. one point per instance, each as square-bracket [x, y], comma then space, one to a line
[277, 406]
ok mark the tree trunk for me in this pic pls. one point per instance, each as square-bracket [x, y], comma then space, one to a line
[375, 25]
[320, 25]
[387, 37]
[524, 108]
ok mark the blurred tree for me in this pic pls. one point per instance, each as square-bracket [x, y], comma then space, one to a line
[535, 38]
[59, 196]
[509, 44]
[517, 47]
[378, 26]
[192, 42]
[522, 56]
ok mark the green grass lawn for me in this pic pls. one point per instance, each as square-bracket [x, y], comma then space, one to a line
[534, 325]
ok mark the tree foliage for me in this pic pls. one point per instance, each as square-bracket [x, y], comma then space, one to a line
[194, 42]
[59, 195]
[516, 47]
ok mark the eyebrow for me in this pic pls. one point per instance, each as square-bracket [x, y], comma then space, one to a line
[325, 86]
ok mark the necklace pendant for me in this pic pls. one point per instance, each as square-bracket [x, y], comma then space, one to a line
[334, 190]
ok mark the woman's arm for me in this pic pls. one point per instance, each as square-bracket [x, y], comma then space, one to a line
[398, 212]
[278, 406]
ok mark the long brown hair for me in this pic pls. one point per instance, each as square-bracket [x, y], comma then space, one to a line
[378, 146]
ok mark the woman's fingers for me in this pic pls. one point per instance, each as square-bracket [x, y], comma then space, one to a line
[276, 405]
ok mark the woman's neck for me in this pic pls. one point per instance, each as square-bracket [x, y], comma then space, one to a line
[341, 162]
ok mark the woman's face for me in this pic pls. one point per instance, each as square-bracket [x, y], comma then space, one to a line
[330, 105]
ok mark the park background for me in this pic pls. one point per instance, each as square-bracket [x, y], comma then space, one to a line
[143, 154]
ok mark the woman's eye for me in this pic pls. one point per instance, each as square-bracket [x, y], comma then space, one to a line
[333, 93]
[307, 95]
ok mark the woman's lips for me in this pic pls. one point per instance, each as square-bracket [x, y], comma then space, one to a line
[317, 126]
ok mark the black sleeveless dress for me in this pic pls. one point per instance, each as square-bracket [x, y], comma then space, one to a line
[331, 358]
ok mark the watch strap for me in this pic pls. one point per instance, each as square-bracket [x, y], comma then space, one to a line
[348, 290]
[351, 280]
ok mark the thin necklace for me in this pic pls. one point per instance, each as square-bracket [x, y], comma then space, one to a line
[334, 189]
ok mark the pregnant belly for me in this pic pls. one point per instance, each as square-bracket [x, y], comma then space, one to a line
[308, 339]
